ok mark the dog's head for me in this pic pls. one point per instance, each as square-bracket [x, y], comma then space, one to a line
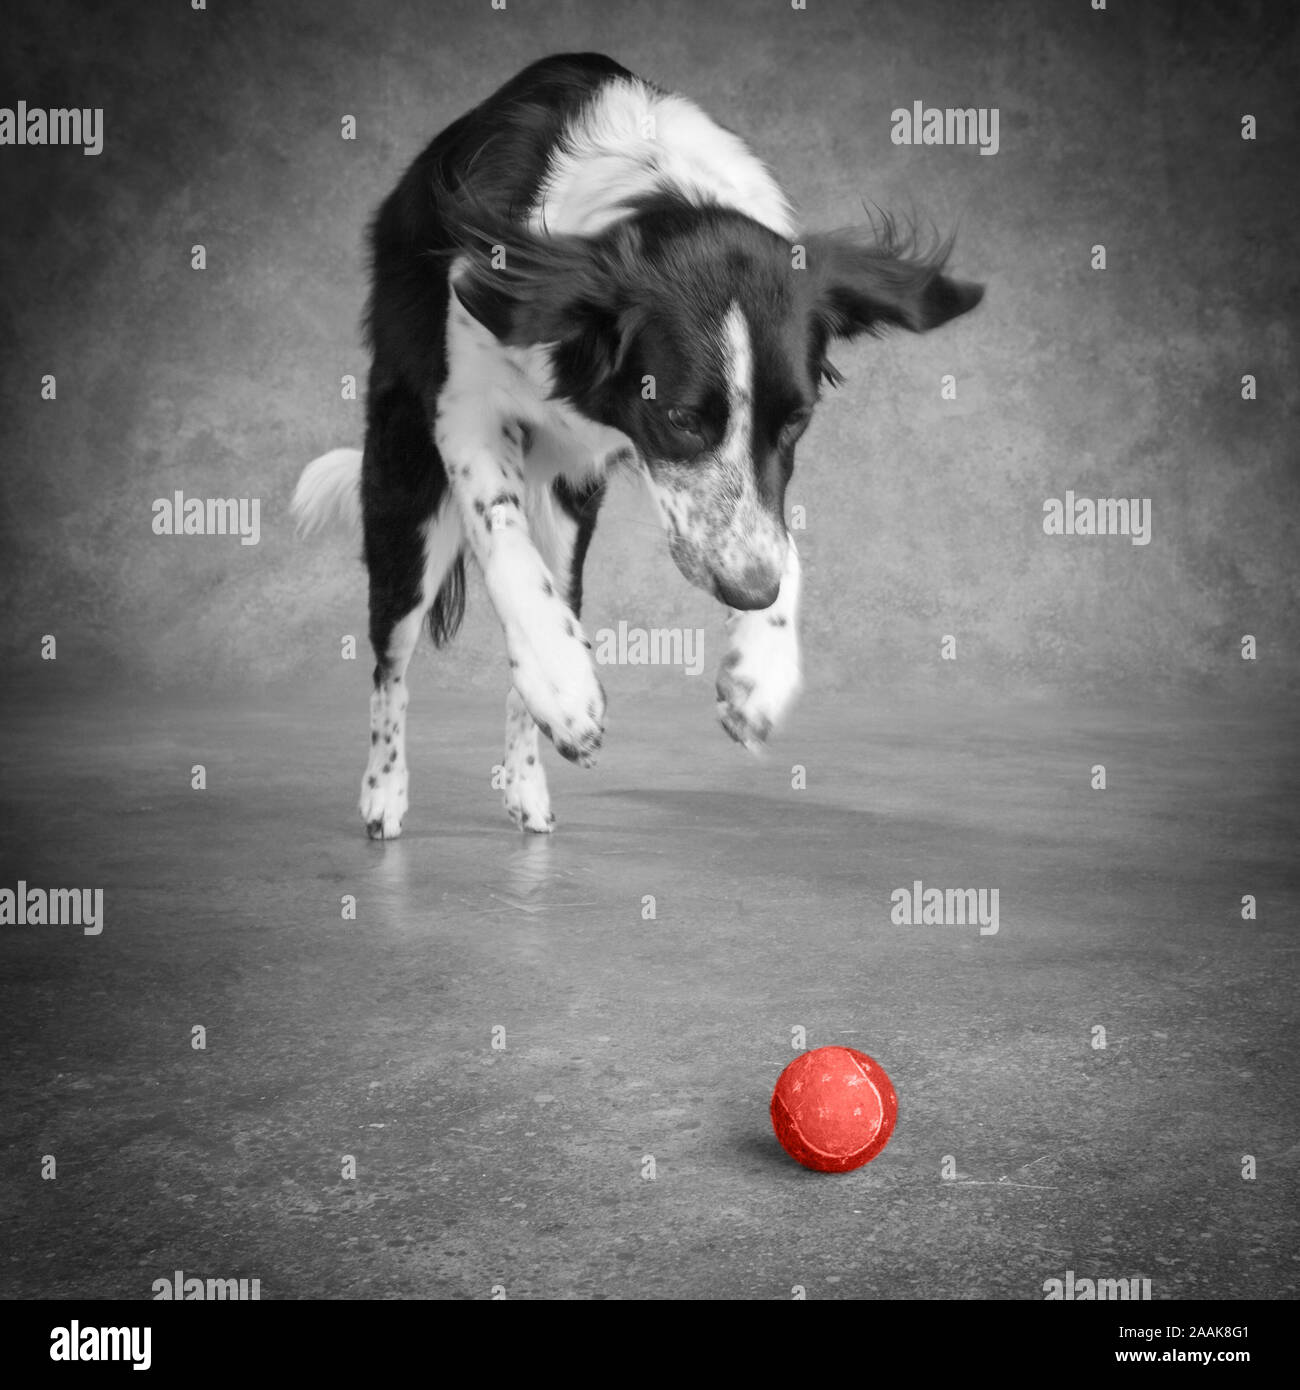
[702, 336]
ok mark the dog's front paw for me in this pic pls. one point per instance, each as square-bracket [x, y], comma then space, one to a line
[558, 684]
[758, 682]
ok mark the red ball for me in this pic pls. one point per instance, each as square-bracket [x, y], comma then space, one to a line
[834, 1109]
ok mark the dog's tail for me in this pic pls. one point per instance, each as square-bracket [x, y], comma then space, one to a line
[329, 490]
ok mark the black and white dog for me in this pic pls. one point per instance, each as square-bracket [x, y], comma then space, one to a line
[585, 272]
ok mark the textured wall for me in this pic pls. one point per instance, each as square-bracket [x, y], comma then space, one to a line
[923, 515]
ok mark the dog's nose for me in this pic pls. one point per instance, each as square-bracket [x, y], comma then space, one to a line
[758, 588]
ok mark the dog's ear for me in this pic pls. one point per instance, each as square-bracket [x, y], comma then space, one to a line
[574, 292]
[486, 301]
[865, 283]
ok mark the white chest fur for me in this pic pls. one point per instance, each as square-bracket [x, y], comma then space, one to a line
[491, 386]
[630, 140]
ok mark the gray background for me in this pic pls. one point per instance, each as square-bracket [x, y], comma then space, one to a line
[628, 1037]
[924, 517]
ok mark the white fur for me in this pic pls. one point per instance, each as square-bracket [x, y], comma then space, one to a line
[491, 390]
[385, 782]
[760, 675]
[631, 139]
[752, 535]
[527, 798]
[329, 490]
[715, 510]
[513, 385]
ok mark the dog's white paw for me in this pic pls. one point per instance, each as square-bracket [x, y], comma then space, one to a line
[759, 679]
[527, 799]
[384, 800]
[558, 683]
[383, 786]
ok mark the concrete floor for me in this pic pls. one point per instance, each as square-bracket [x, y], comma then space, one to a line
[624, 1038]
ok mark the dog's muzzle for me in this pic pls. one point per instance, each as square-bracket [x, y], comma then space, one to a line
[736, 572]
[722, 537]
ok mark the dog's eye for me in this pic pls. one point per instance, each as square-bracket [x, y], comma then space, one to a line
[796, 423]
[685, 421]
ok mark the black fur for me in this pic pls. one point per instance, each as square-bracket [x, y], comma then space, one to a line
[402, 484]
[503, 143]
[696, 332]
[619, 307]
[583, 505]
[628, 304]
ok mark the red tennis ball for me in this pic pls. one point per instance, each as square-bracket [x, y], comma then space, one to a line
[834, 1109]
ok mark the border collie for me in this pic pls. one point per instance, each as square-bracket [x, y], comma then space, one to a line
[582, 273]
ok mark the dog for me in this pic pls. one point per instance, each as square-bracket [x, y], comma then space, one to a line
[585, 272]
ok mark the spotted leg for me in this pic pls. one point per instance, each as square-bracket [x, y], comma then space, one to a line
[384, 785]
[760, 674]
[562, 519]
[550, 664]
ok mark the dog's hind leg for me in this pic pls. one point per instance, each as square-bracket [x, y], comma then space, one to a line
[413, 540]
[561, 519]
